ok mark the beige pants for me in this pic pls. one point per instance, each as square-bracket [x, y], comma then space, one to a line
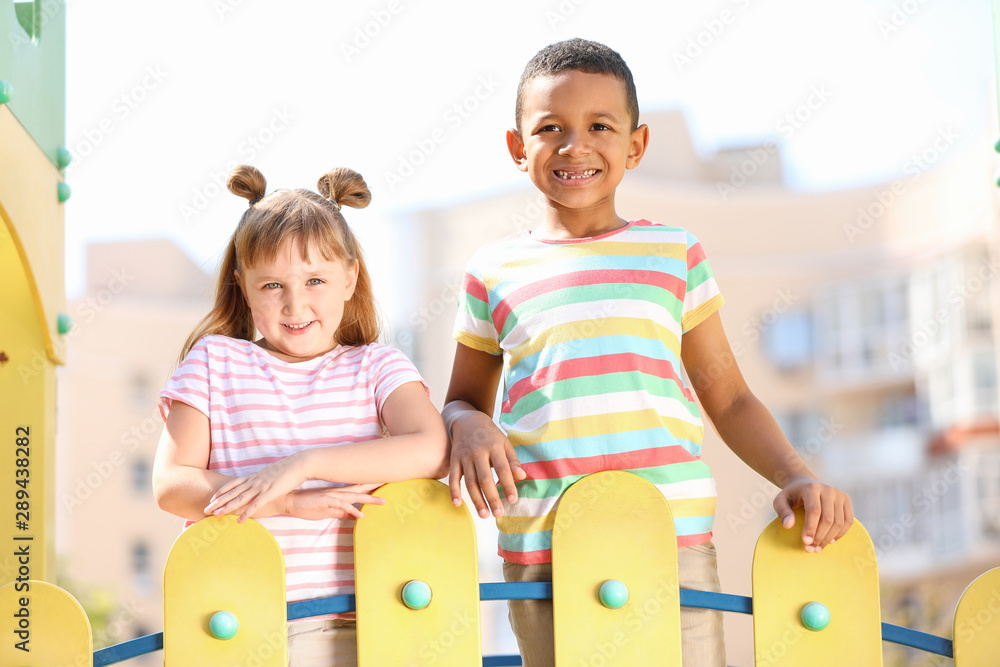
[331, 642]
[702, 642]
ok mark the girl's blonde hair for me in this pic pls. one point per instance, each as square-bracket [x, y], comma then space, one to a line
[315, 221]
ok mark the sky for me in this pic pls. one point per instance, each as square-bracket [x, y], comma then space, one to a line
[162, 98]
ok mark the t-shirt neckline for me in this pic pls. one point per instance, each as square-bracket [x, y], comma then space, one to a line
[583, 239]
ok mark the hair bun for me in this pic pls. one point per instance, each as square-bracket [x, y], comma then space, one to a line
[247, 182]
[346, 187]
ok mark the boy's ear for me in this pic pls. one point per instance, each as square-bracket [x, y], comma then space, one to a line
[516, 147]
[637, 146]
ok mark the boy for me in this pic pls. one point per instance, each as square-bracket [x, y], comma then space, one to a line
[588, 318]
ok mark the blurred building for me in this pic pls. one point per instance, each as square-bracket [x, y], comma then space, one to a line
[142, 300]
[863, 318]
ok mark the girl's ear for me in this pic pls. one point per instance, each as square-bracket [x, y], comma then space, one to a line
[239, 282]
[352, 279]
[516, 147]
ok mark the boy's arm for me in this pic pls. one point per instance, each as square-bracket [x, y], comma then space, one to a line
[478, 446]
[750, 431]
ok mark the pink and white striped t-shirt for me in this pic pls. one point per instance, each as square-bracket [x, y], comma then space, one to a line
[262, 409]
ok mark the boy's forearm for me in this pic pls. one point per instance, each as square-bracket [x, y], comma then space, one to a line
[749, 429]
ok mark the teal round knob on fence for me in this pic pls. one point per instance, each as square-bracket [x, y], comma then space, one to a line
[64, 324]
[613, 594]
[815, 616]
[63, 191]
[224, 625]
[6, 91]
[63, 157]
[416, 594]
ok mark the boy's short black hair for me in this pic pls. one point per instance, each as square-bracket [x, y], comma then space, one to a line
[581, 55]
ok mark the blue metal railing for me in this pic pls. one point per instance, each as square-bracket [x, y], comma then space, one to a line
[338, 604]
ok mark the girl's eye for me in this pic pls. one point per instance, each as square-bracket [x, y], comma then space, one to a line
[272, 285]
[315, 281]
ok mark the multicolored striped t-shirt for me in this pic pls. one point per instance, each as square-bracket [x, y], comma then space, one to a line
[590, 331]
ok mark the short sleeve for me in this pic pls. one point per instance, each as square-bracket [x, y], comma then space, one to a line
[702, 296]
[390, 369]
[189, 383]
[474, 325]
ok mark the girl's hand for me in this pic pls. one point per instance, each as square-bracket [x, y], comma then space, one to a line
[828, 511]
[338, 503]
[270, 483]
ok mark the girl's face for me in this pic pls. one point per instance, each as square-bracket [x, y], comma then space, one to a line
[297, 305]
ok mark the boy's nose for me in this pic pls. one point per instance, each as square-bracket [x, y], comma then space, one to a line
[575, 145]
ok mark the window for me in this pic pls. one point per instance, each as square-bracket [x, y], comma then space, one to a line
[141, 478]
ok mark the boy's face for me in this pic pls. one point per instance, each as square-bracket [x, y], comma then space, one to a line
[576, 139]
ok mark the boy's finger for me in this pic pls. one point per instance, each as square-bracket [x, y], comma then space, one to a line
[455, 483]
[784, 510]
[489, 490]
[506, 479]
[809, 526]
[475, 493]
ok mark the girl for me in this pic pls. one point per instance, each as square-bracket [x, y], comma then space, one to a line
[297, 426]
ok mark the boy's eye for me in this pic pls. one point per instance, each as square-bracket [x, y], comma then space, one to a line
[600, 126]
[549, 128]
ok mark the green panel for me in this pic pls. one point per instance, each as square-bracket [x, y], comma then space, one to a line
[35, 65]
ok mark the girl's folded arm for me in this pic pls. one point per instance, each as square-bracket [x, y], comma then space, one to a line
[182, 483]
[417, 446]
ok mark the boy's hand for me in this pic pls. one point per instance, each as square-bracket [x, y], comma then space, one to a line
[478, 448]
[828, 511]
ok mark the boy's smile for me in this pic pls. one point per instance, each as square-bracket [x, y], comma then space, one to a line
[575, 143]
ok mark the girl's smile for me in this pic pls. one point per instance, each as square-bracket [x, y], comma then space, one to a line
[297, 303]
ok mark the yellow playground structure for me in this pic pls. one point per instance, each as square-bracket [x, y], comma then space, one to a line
[614, 588]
